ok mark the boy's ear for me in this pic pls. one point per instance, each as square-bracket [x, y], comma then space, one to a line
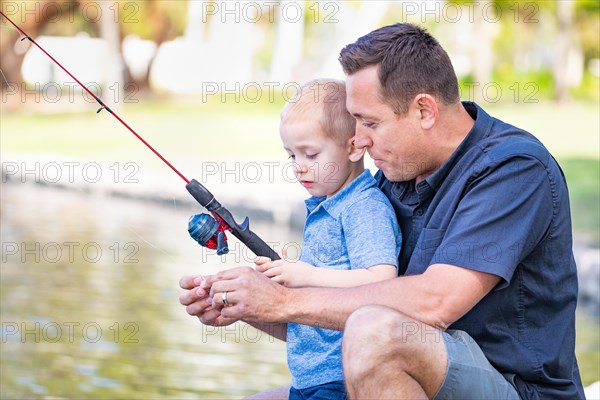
[355, 154]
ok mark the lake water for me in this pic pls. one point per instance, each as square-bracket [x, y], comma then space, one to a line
[89, 304]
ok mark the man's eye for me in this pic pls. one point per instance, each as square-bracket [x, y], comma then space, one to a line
[368, 124]
[312, 156]
[292, 157]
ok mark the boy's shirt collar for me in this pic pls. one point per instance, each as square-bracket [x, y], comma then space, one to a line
[336, 203]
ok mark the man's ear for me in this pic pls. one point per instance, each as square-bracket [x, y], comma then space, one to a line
[355, 154]
[428, 110]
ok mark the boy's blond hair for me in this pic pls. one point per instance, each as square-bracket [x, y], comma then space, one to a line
[324, 99]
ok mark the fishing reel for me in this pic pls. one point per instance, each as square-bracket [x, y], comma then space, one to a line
[207, 231]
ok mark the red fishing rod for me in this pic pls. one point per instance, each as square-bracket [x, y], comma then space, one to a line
[206, 230]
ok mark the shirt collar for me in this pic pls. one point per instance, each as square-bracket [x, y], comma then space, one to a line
[481, 129]
[336, 204]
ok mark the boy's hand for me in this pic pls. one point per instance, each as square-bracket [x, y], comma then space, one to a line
[290, 274]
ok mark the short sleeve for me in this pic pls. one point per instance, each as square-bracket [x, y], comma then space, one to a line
[504, 214]
[371, 233]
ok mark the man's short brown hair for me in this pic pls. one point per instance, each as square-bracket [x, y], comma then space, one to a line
[410, 61]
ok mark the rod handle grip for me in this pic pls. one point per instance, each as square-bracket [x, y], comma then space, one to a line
[257, 245]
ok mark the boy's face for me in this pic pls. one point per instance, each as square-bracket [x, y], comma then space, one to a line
[321, 164]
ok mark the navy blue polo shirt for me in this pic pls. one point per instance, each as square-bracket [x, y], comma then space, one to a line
[500, 205]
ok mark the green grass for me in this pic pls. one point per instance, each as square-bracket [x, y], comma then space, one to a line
[570, 130]
[235, 128]
[180, 128]
[587, 348]
[583, 177]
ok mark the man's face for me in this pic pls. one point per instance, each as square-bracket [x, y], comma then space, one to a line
[396, 143]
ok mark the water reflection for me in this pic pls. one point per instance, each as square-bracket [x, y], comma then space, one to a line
[89, 304]
[89, 309]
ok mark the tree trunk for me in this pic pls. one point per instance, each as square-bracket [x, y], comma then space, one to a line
[289, 42]
[364, 20]
[482, 57]
[10, 61]
[12, 52]
[563, 49]
[114, 66]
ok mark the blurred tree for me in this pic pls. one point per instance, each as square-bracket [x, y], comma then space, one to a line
[46, 12]
[587, 21]
[114, 63]
[287, 54]
[150, 19]
[548, 38]
[195, 21]
[358, 21]
[548, 43]
[482, 54]
[155, 20]
[563, 53]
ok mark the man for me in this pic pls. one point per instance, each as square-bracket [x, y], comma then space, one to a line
[485, 307]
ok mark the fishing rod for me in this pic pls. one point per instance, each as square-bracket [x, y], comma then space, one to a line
[209, 231]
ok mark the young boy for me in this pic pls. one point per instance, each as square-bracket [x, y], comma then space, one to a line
[351, 235]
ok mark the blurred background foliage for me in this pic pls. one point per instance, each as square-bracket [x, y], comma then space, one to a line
[520, 40]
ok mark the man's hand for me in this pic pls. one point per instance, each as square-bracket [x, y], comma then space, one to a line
[198, 302]
[289, 274]
[251, 296]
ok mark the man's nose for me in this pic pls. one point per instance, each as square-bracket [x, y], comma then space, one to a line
[361, 139]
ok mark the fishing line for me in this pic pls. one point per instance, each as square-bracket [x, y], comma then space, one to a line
[4, 77]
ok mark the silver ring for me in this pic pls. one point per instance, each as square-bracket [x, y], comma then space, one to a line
[224, 298]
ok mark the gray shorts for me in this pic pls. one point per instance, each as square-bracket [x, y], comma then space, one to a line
[469, 374]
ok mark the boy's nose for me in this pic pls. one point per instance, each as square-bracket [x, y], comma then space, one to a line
[301, 168]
